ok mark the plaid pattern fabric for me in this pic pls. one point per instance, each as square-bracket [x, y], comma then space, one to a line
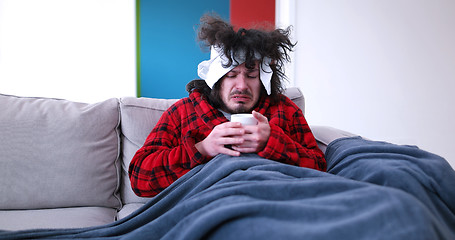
[169, 152]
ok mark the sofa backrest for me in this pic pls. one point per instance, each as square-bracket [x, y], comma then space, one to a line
[139, 116]
[57, 153]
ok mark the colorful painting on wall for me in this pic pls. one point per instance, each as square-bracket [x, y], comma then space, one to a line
[167, 48]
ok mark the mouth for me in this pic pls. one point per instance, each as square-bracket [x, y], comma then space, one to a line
[240, 98]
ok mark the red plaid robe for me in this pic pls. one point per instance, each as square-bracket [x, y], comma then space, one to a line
[169, 152]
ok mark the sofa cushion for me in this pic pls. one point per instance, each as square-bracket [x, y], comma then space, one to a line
[77, 217]
[128, 209]
[324, 135]
[57, 153]
[139, 116]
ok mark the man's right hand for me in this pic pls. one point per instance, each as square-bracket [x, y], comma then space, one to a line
[228, 133]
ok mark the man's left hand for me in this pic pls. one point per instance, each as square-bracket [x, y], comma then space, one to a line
[256, 136]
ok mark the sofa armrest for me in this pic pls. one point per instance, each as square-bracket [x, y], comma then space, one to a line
[325, 135]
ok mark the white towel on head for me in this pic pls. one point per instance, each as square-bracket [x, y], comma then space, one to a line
[213, 69]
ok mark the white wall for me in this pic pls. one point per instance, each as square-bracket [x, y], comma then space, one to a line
[381, 69]
[82, 50]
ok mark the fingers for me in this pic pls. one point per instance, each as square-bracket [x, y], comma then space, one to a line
[243, 139]
[229, 125]
[228, 129]
[242, 149]
[222, 135]
[224, 145]
[229, 152]
[256, 137]
[261, 118]
[231, 132]
[230, 141]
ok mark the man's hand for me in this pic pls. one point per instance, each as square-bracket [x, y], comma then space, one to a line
[229, 133]
[255, 137]
[243, 139]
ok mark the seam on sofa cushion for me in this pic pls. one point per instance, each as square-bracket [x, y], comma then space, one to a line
[118, 162]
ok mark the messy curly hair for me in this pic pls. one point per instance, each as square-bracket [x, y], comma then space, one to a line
[274, 44]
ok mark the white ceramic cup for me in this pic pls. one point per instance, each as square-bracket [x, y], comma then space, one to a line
[244, 118]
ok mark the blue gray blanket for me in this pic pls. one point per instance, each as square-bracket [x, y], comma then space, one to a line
[372, 190]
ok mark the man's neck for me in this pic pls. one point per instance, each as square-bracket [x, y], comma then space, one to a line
[226, 114]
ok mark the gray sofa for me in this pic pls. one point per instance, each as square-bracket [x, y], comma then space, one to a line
[64, 164]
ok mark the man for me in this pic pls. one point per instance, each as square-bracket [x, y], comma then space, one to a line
[244, 75]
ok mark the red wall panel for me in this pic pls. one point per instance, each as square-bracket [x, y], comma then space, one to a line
[251, 13]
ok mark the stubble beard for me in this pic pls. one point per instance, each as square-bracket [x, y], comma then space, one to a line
[240, 107]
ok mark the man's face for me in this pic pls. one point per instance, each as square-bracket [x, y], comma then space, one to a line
[240, 89]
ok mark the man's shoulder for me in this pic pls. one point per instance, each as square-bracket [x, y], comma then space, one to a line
[181, 103]
[285, 101]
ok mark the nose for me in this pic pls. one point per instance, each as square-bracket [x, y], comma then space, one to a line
[240, 82]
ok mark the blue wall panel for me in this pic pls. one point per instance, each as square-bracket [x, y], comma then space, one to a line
[168, 49]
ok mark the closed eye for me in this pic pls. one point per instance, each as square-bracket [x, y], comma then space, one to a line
[231, 75]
